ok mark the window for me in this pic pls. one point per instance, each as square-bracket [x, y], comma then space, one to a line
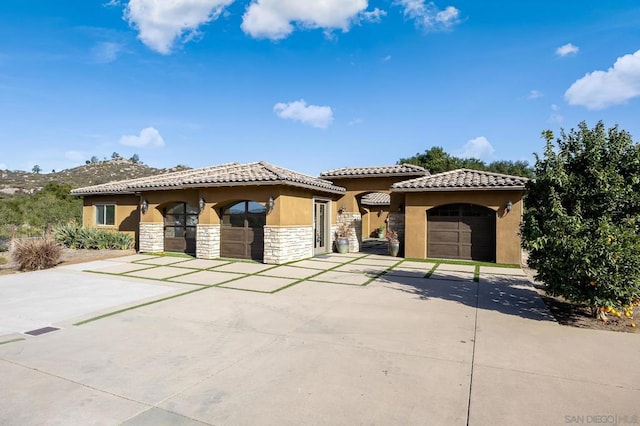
[105, 214]
[180, 221]
[245, 214]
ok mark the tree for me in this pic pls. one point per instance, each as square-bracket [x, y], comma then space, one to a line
[36, 169]
[436, 160]
[94, 159]
[582, 222]
[115, 156]
[134, 158]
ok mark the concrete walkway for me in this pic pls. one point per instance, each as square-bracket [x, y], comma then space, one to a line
[398, 348]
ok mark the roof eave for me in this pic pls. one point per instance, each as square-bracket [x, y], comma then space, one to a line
[372, 175]
[235, 184]
[496, 188]
[86, 194]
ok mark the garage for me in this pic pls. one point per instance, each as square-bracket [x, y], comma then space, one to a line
[180, 222]
[242, 230]
[461, 231]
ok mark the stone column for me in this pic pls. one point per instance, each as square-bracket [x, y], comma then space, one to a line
[396, 223]
[151, 237]
[207, 241]
[354, 220]
[284, 244]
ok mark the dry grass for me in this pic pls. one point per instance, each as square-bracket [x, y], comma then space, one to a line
[36, 254]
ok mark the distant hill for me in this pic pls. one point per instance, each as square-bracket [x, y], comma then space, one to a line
[17, 181]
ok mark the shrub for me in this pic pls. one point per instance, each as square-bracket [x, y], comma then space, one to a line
[32, 255]
[3, 245]
[75, 236]
[582, 223]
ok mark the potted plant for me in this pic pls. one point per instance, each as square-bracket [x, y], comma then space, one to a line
[342, 238]
[381, 230]
[394, 242]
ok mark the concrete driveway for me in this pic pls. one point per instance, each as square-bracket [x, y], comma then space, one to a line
[329, 348]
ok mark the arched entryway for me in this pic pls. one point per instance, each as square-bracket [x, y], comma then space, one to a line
[242, 231]
[180, 223]
[461, 231]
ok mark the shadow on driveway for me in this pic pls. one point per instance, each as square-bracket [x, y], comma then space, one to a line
[503, 294]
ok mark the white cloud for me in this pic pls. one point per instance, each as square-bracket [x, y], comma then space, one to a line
[105, 52]
[112, 3]
[148, 137]
[374, 16]
[429, 16]
[274, 19]
[75, 156]
[567, 49]
[387, 58]
[535, 94]
[555, 117]
[314, 115]
[479, 148]
[602, 89]
[161, 22]
[355, 121]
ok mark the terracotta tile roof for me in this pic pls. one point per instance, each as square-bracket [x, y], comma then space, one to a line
[460, 180]
[376, 199]
[378, 171]
[229, 174]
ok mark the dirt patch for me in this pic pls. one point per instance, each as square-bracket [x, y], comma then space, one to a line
[567, 313]
[69, 256]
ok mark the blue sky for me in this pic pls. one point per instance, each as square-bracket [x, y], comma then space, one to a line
[308, 85]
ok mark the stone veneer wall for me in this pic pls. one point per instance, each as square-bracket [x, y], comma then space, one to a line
[354, 220]
[284, 244]
[207, 241]
[396, 223]
[151, 237]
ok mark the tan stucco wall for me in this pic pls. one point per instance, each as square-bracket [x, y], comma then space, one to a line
[126, 218]
[293, 206]
[358, 186]
[372, 218]
[507, 224]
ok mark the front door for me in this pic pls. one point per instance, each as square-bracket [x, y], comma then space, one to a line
[320, 227]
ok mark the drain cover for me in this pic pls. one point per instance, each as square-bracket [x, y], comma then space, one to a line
[40, 331]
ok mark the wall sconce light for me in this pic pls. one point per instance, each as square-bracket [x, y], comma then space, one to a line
[342, 209]
[201, 204]
[144, 206]
[271, 203]
[509, 206]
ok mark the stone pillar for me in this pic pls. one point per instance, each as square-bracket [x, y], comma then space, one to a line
[354, 220]
[284, 244]
[396, 223]
[151, 237]
[208, 241]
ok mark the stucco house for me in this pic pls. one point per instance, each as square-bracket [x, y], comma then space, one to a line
[276, 215]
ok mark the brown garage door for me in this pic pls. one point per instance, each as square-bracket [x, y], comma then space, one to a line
[461, 231]
[180, 222]
[242, 232]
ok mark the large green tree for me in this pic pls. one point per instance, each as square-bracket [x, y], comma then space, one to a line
[436, 160]
[582, 222]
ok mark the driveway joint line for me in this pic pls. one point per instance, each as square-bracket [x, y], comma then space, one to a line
[66, 379]
[473, 350]
[555, 376]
